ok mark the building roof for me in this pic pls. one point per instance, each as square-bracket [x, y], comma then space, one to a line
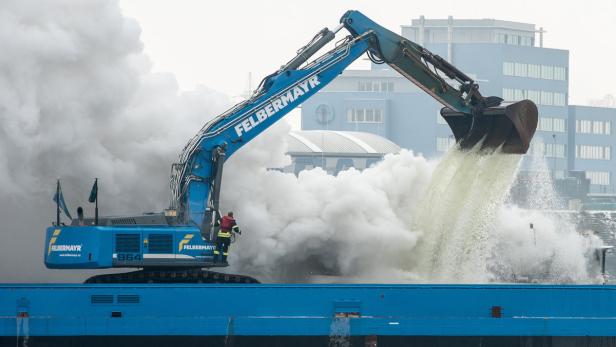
[339, 142]
[484, 23]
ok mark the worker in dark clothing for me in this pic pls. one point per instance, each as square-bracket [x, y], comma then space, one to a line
[80, 216]
[223, 239]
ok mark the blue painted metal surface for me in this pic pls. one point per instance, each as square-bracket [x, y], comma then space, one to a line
[95, 247]
[261, 310]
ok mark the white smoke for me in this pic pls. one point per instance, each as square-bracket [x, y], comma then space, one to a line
[552, 251]
[403, 220]
[78, 100]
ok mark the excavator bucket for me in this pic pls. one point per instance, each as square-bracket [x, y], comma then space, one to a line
[511, 126]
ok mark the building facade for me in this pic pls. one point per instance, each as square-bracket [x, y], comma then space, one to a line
[591, 140]
[506, 59]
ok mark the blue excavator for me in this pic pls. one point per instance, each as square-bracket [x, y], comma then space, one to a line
[178, 244]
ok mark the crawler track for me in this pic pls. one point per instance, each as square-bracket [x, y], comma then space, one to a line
[171, 276]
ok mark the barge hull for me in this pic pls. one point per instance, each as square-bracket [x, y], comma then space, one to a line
[253, 315]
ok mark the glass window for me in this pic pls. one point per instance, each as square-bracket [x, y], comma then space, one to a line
[547, 98]
[598, 177]
[359, 115]
[365, 115]
[597, 127]
[545, 124]
[526, 41]
[508, 69]
[559, 99]
[384, 86]
[547, 72]
[378, 115]
[534, 95]
[501, 38]
[508, 94]
[390, 86]
[521, 70]
[519, 95]
[558, 125]
[555, 150]
[350, 115]
[369, 115]
[608, 128]
[512, 39]
[560, 73]
[585, 126]
[534, 71]
[593, 152]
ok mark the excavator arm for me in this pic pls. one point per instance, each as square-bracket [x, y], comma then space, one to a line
[196, 178]
[472, 117]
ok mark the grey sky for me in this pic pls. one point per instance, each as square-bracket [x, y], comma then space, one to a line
[217, 44]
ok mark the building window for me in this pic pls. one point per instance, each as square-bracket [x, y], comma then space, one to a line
[539, 97]
[512, 39]
[559, 125]
[552, 124]
[559, 99]
[554, 150]
[597, 127]
[547, 98]
[593, 152]
[375, 86]
[508, 94]
[534, 71]
[560, 73]
[534, 96]
[547, 72]
[508, 69]
[444, 143]
[583, 126]
[526, 41]
[364, 115]
[545, 124]
[601, 178]
[521, 70]
[501, 38]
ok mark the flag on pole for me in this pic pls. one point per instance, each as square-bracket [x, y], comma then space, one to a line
[58, 198]
[94, 191]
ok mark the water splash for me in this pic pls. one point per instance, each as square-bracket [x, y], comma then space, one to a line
[340, 332]
[461, 204]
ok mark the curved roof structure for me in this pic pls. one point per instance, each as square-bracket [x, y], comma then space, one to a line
[339, 142]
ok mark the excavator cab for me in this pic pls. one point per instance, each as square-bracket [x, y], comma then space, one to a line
[511, 126]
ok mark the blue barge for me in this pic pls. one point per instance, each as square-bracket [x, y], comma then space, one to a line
[307, 315]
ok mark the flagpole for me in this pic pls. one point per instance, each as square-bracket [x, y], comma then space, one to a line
[96, 203]
[58, 203]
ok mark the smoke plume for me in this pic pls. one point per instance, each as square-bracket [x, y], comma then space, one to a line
[78, 100]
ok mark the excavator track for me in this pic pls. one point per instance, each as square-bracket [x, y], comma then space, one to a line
[171, 276]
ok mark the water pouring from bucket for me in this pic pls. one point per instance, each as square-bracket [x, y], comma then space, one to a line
[511, 125]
